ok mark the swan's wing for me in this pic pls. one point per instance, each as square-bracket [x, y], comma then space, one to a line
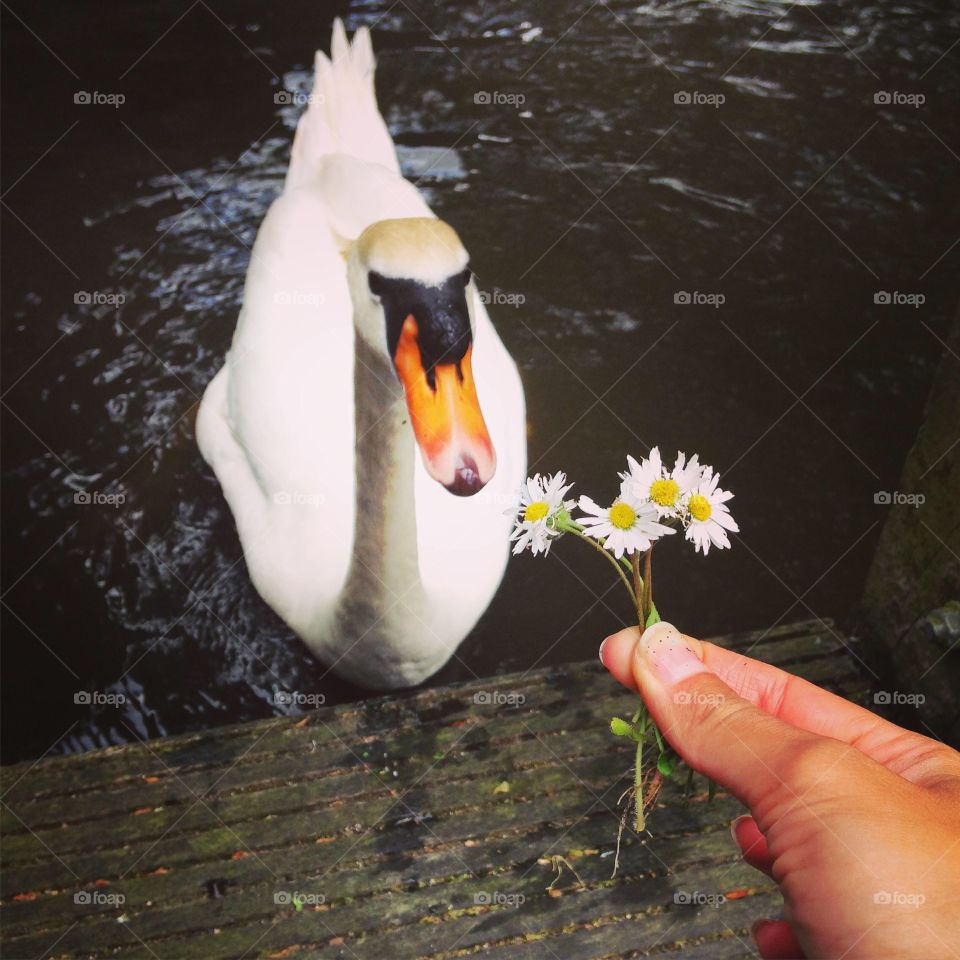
[277, 423]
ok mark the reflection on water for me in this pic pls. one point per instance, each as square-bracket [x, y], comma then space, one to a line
[598, 161]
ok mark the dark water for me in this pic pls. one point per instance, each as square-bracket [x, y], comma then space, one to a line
[584, 187]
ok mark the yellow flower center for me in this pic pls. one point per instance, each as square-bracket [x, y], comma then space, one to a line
[700, 507]
[623, 516]
[664, 492]
[536, 511]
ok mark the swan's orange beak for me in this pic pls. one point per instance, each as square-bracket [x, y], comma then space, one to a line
[446, 417]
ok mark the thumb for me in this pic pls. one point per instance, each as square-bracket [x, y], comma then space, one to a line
[755, 756]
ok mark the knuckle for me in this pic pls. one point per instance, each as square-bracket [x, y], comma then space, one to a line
[701, 701]
[714, 709]
[730, 714]
[817, 761]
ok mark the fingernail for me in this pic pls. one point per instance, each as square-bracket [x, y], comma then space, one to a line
[602, 645]
[734, 823]
[668, 655]
[757, 926]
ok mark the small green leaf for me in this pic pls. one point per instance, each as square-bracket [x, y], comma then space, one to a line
[298, 904]
[653, 617]
[666, 764]
[621, 728]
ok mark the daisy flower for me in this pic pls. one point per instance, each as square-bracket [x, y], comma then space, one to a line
[667, 490]
[541, 503]
[709, 519]
[629, 525]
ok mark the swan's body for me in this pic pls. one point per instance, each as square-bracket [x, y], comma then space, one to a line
[373, 562]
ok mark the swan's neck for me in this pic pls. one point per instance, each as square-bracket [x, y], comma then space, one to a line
[385, 559]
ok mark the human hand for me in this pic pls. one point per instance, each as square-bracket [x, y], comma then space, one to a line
[856, 819]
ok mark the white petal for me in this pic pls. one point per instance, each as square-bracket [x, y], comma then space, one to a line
[585, 503]
[723, 518]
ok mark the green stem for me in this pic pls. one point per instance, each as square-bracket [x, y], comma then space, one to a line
[647, 584]
[638, 590]
[641, 820]
[641, 597]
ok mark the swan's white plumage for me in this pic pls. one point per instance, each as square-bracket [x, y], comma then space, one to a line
[375, 565]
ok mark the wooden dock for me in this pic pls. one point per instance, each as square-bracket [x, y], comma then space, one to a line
[476, 817]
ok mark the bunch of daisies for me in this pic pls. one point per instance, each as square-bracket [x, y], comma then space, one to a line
[654, 500]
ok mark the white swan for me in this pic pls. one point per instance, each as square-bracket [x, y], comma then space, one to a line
[362, 337]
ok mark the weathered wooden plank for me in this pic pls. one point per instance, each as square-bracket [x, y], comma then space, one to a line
[424, 860]
[295, 796]
[304, 807]
[229, 841]
[546, 743]
[327, 764]
[480, 909]
[533, 798]
[60, 776]
[303, 760]
[235, 816]
[544, 913]
[351, 915]
[449, 930]
[406, 851]
[634, 936]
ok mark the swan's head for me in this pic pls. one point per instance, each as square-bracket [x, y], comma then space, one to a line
[412, 296]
